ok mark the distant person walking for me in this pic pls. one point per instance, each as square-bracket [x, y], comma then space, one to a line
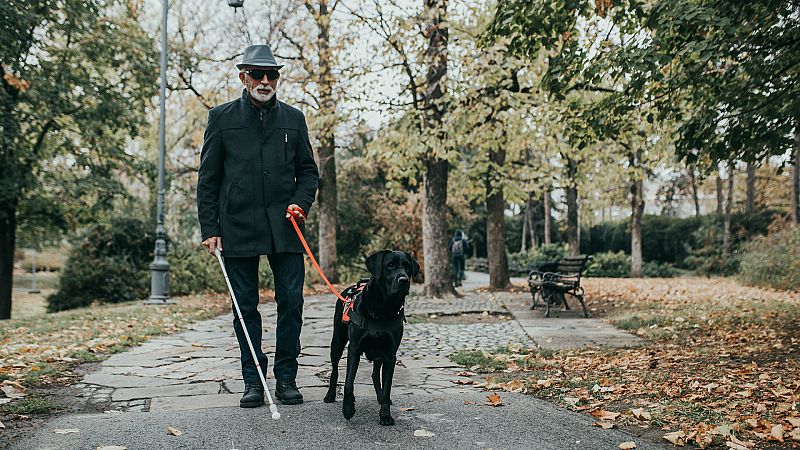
[257, 169]
[458, 256]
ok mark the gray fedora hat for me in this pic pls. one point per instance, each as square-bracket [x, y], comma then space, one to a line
[258, 55]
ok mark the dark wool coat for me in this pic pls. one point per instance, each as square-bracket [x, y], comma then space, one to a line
[254, 163]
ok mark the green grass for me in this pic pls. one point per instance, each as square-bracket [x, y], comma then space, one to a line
[32, 405]
[635, 322]
[86, 356]
[34, 376]
[484, 360]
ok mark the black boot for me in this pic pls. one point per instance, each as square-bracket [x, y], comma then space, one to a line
[253, 396]
[286, 391]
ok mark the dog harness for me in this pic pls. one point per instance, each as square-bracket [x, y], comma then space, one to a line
[351, 294]
[349, 314]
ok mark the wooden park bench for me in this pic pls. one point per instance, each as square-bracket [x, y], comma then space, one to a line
[551, 282]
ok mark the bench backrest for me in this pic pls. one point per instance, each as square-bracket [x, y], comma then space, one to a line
[573, 265]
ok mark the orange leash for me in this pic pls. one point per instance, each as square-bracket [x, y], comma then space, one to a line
[314, 261]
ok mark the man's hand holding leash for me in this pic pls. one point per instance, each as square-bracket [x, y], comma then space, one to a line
[297, 212]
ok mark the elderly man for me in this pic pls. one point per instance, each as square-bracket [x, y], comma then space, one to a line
[257, 168]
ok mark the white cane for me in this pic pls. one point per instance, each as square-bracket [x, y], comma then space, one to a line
[274, 409]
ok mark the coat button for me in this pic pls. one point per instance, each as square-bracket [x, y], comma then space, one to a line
[266, 173]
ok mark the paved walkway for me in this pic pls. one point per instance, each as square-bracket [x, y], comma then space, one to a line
[192, 381]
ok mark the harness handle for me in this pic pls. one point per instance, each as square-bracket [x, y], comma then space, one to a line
[313, 260]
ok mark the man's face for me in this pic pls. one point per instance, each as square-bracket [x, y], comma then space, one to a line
[263, 89]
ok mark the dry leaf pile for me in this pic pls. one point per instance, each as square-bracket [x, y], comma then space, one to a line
[720, 363]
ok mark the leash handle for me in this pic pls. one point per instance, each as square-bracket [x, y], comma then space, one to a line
[313, 260]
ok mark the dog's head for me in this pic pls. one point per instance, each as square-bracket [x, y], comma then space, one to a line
[392, 271]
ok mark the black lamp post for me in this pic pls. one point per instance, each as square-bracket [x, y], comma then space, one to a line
[159, 268]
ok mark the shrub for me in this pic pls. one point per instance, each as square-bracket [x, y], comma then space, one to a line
[609, 265]
[109, 265]
[676, 240]
[772, 260]
[653, 269]
[536, 256]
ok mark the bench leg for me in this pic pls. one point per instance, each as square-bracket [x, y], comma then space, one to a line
[563, 297]
[547, 300]
[533, 296]
[580, 299]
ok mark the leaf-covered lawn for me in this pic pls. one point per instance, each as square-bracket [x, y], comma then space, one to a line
[720, 366]
[40, 348]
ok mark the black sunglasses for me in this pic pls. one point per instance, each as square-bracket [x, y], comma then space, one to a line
[258, 74]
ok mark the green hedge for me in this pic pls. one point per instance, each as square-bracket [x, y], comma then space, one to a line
[675, 240]
[772, 260]
[112, 264]
[109, 265]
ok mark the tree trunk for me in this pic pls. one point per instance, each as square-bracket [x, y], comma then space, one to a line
[637, 210]
[547, 216]
[796, 175]
[531, 225]
[572, 209]
[495, 227]
[434, 234]
[695, 197]
[751, 188]
[726, 232]
[8, 230]
[719, 195]
[524, 241]
[327, 194]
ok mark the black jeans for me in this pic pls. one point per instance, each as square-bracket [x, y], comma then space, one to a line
[458, 269]
[289, 273]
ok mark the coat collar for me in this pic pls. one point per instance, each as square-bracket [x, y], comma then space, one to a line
[264, 118]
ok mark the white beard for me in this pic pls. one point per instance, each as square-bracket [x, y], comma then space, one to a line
[262, 95]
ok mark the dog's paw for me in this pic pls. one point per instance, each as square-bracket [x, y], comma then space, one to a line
[348, 409]
[330, 397]
[386, 415]
[387, 420]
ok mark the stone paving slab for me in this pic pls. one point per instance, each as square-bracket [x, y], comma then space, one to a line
[571, 331]
[175, 390]
[195, 402]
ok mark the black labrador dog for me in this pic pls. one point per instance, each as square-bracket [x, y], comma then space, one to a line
[375, 329]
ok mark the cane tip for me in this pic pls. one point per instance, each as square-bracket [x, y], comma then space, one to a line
[275, 414]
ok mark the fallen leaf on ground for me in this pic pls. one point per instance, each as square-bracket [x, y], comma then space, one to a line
[465, 374]
[493, 400]
[676, 438]
[174, 431]
[423, 433]
[795, 434]
[463, 381]
[795, 421]
[13, 389]
[1, 425]
[776, 433]
[641, 414]
[604, 424]
[410, 408]
[467, 402]
[604, 415]
[627, 445]
[66, 430]
[737, 444]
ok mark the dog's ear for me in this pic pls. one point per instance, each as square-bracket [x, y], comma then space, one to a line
[374, 263]
[414, 264]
